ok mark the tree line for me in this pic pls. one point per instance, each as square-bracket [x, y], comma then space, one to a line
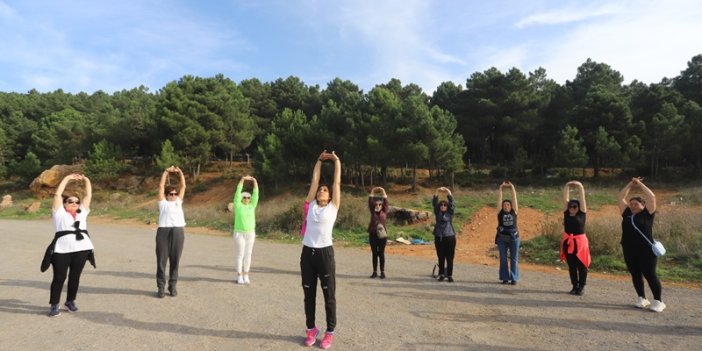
[521, 122]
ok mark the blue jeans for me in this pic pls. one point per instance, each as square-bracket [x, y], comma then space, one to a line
[511, 273]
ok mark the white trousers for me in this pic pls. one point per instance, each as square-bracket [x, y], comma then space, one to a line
[244, 248]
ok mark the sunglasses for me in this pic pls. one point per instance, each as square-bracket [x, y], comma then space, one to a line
[77, 202]
[172, 194]
[573, 206]
[246, 198]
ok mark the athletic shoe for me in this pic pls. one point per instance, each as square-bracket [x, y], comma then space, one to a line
[71, 306]
[240, 280]
[382, 275]
[657, 306]
[580, 291]
[574, 290]
[641, 302]
[441, 278]
[311, 336]
[173, 291]
[513, 282]
[54, 311]
[450, 280]
[327, 340]
[374, 275]
[161, 294]
[246, 279]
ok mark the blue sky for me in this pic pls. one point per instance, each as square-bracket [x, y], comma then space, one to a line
[114, 45]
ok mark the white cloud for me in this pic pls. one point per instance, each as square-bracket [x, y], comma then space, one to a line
[571, 14]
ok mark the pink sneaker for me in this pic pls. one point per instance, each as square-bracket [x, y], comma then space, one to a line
[311, 336]
[327, 340]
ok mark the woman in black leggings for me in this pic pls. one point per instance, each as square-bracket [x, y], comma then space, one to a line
[575, 248]
[444, 234]
[377, 233]
[637, 221]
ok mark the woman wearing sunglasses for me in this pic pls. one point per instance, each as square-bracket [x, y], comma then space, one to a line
[72, 245]
[575, 249]
[244, 227]
[377, 232]
[507, 237]
[444, 234]
[170, 234]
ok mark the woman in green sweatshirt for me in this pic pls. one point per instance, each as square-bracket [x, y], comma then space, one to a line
[244, 227]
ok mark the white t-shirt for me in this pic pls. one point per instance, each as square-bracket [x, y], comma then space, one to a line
[171, 213]
[64, 221]
[320, 222]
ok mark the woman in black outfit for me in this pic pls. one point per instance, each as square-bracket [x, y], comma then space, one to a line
[444, 234]
[378, 206]
[637, 221]
[575, 248]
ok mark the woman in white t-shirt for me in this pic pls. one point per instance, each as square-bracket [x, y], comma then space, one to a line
[72, 245]
[317, 258]
[170, 234]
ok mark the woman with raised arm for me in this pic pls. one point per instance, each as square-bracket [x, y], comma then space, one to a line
[71, 245]
[575, 249]
[507, 237]
[377, 232]
[244, 227]
[444, 234]
[170, 234]
[637, 222]
[317, 258]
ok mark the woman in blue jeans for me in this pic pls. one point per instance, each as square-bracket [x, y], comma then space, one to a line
[507, 237]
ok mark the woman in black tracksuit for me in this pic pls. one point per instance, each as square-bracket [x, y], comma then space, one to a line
[444, 234]
[637, 221]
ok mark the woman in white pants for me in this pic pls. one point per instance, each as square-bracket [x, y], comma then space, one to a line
[244, 227]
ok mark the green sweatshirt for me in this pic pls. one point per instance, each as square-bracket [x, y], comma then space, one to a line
[245, 215]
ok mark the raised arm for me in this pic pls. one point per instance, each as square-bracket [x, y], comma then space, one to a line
[58, 197]
[314, 183]
[621, 199]
[566, 196]
[254, 192]
[336, 196]
[499, 196]
[451, 203]
[515, 202]
[239, 189]
[181, 191]
[88, 197]
[162, 184]
[648, 194]
[581, 191]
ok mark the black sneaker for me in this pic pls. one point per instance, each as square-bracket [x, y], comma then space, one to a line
[449, 279]
[580, 291]
[54, 311]
[374, 275]
[71, 306]
[382, 275]
[574, 290]
[173, 291]
[441, 278]
[514, 282]
[161, 294]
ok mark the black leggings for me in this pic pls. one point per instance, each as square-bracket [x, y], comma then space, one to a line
[378, 250]
[61, 263]
[577, 270]
[641, 263]
[445, 250]
[319, 264]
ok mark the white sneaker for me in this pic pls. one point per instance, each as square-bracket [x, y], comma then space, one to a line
[642, 302]
[246, 279]
[240, 280]
[657, 306]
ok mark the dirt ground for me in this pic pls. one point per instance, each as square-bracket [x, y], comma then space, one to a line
[407, 311]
